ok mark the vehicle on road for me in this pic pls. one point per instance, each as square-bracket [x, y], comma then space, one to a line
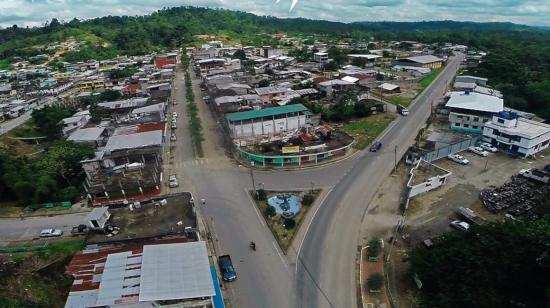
[51, 233]
[375, 146]
[79, 230]
[174, 120]
[173, 125]
[458, 159]
[173, 137]
[488, 147]
[479, 151]
[174, 114]
[227, 269]
[206, 99]
[460, 225]
[173, 181]
[253, 246]
[402, 110]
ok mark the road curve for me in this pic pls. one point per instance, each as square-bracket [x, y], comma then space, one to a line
[325, 273]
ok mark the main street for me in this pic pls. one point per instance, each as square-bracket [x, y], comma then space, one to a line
[266, 277]
[326, 274]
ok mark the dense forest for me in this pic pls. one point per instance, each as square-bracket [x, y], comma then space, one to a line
[518, 61]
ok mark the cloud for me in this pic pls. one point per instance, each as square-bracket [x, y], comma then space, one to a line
[534, 12]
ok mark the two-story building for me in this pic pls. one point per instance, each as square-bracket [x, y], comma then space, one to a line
[468, 111]
[515, 135]
[320, 57]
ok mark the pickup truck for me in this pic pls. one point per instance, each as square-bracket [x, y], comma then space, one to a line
[402, 110]
[227, 269]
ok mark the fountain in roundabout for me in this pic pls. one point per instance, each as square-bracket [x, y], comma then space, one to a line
[286, 205]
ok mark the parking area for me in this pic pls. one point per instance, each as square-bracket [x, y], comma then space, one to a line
[429, 214]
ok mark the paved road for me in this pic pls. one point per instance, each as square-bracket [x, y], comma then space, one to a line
[326, 274]
[15, 229]
[13, 123]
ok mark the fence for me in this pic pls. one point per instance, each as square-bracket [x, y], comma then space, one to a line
[23, 248]
[450, 149]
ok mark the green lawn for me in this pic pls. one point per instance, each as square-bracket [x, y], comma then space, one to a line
[365, 130]
[424, 83]
[5, 64]
[399, 100]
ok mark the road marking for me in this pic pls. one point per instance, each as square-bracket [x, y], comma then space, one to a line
[255, 208]
[280, 255]
[309, 224]
[428, 220]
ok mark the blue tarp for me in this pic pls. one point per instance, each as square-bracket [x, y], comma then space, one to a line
[218, 299]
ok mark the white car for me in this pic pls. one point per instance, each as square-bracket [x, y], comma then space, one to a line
[173, 181]
[175, 114]
[488, 147]
[458, 159]
[460, 225]
[51, 233]
[173, 126]
[173, 137]
[479, 151]
[174, 120]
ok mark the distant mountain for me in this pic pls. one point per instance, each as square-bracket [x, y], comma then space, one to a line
[443, 25]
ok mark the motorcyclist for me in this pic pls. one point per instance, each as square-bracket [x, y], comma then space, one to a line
[253, 245]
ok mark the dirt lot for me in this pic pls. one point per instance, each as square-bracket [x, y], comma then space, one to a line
[149, 221]
[429, 214]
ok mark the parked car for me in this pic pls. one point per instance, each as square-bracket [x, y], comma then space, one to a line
[51, 233]
[173, 137]
[173, 181]
[227, 269]
[458, 159]
[488, 147]
[375, 146]
[479, 151]
[173, 126]
[174, 114]
[460, 225]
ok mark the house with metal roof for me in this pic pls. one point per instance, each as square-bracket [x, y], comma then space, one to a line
[426, 61]
[468, 111]
[267, 121]
[176, 273]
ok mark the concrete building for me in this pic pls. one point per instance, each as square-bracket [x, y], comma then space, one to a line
[425, 177]
[469, 111]
[320, 57]
[515, 135]
[472, 79]
[267, 121]
[268, 93]
[98, 217]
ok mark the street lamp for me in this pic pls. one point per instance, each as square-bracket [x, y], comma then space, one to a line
[312, 185]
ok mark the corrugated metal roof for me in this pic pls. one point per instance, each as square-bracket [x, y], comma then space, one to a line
[150, 108]
[253, 114]
[86, 134]
[175, 271]
[424, 59]
[133, 141]
[475, 101]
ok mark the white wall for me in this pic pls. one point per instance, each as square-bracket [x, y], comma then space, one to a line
[267, 127]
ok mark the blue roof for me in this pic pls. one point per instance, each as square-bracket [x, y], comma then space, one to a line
[266, 112]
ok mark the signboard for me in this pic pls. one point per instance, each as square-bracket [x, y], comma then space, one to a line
[293, 149]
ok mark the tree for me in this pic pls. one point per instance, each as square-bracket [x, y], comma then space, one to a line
[361, 62]
[289, 223]
[307, 199]
[375, 282]
[263, 83]
[47, 120]
[109, 95]
[239, 54]
[261, 194]
[374, 248]
[491, 265]
[270, 211]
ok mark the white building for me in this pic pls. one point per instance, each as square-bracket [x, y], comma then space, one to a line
[477, 80]
[515, 135]
[320, 57]
[469, 110]
[267, 121]
[425, 177]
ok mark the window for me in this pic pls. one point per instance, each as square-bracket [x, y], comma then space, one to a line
[476, 119]
[457, 124]
[501, 121]
[459, 117]
[466, 125]
[496, 132]
[475, 127]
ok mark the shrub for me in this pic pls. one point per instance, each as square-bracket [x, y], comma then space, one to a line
[261, 195]
[289, 223]
[307, 199]
[375, 282]
[374, 248]
[270, 211]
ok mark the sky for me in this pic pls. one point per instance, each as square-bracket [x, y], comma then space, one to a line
[529, 12]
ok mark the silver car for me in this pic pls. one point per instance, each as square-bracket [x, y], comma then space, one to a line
[51, 233]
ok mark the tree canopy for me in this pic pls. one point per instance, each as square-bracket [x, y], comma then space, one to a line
[493, 265]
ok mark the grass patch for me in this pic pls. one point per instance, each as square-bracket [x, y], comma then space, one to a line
[36, 279]
[426, 81]
[5, 64]
[285, 236]
[10, 209]
[398, 100]
[365, 130]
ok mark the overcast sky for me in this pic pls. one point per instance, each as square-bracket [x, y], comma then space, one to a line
[530, 12]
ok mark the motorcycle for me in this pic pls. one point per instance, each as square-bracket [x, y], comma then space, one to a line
[253, 246]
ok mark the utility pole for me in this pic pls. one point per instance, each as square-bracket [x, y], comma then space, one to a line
[252, 177]
[312, 184]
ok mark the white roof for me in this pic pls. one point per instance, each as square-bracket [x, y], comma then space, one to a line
[86, 134]
[525, 128]
[132, 141]
[388, 86]
[334, 82]
[350, 79]
[270, 90]
[175, 271]
[424, 59]
[475, 101]
[151, 108]
[368, 57]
